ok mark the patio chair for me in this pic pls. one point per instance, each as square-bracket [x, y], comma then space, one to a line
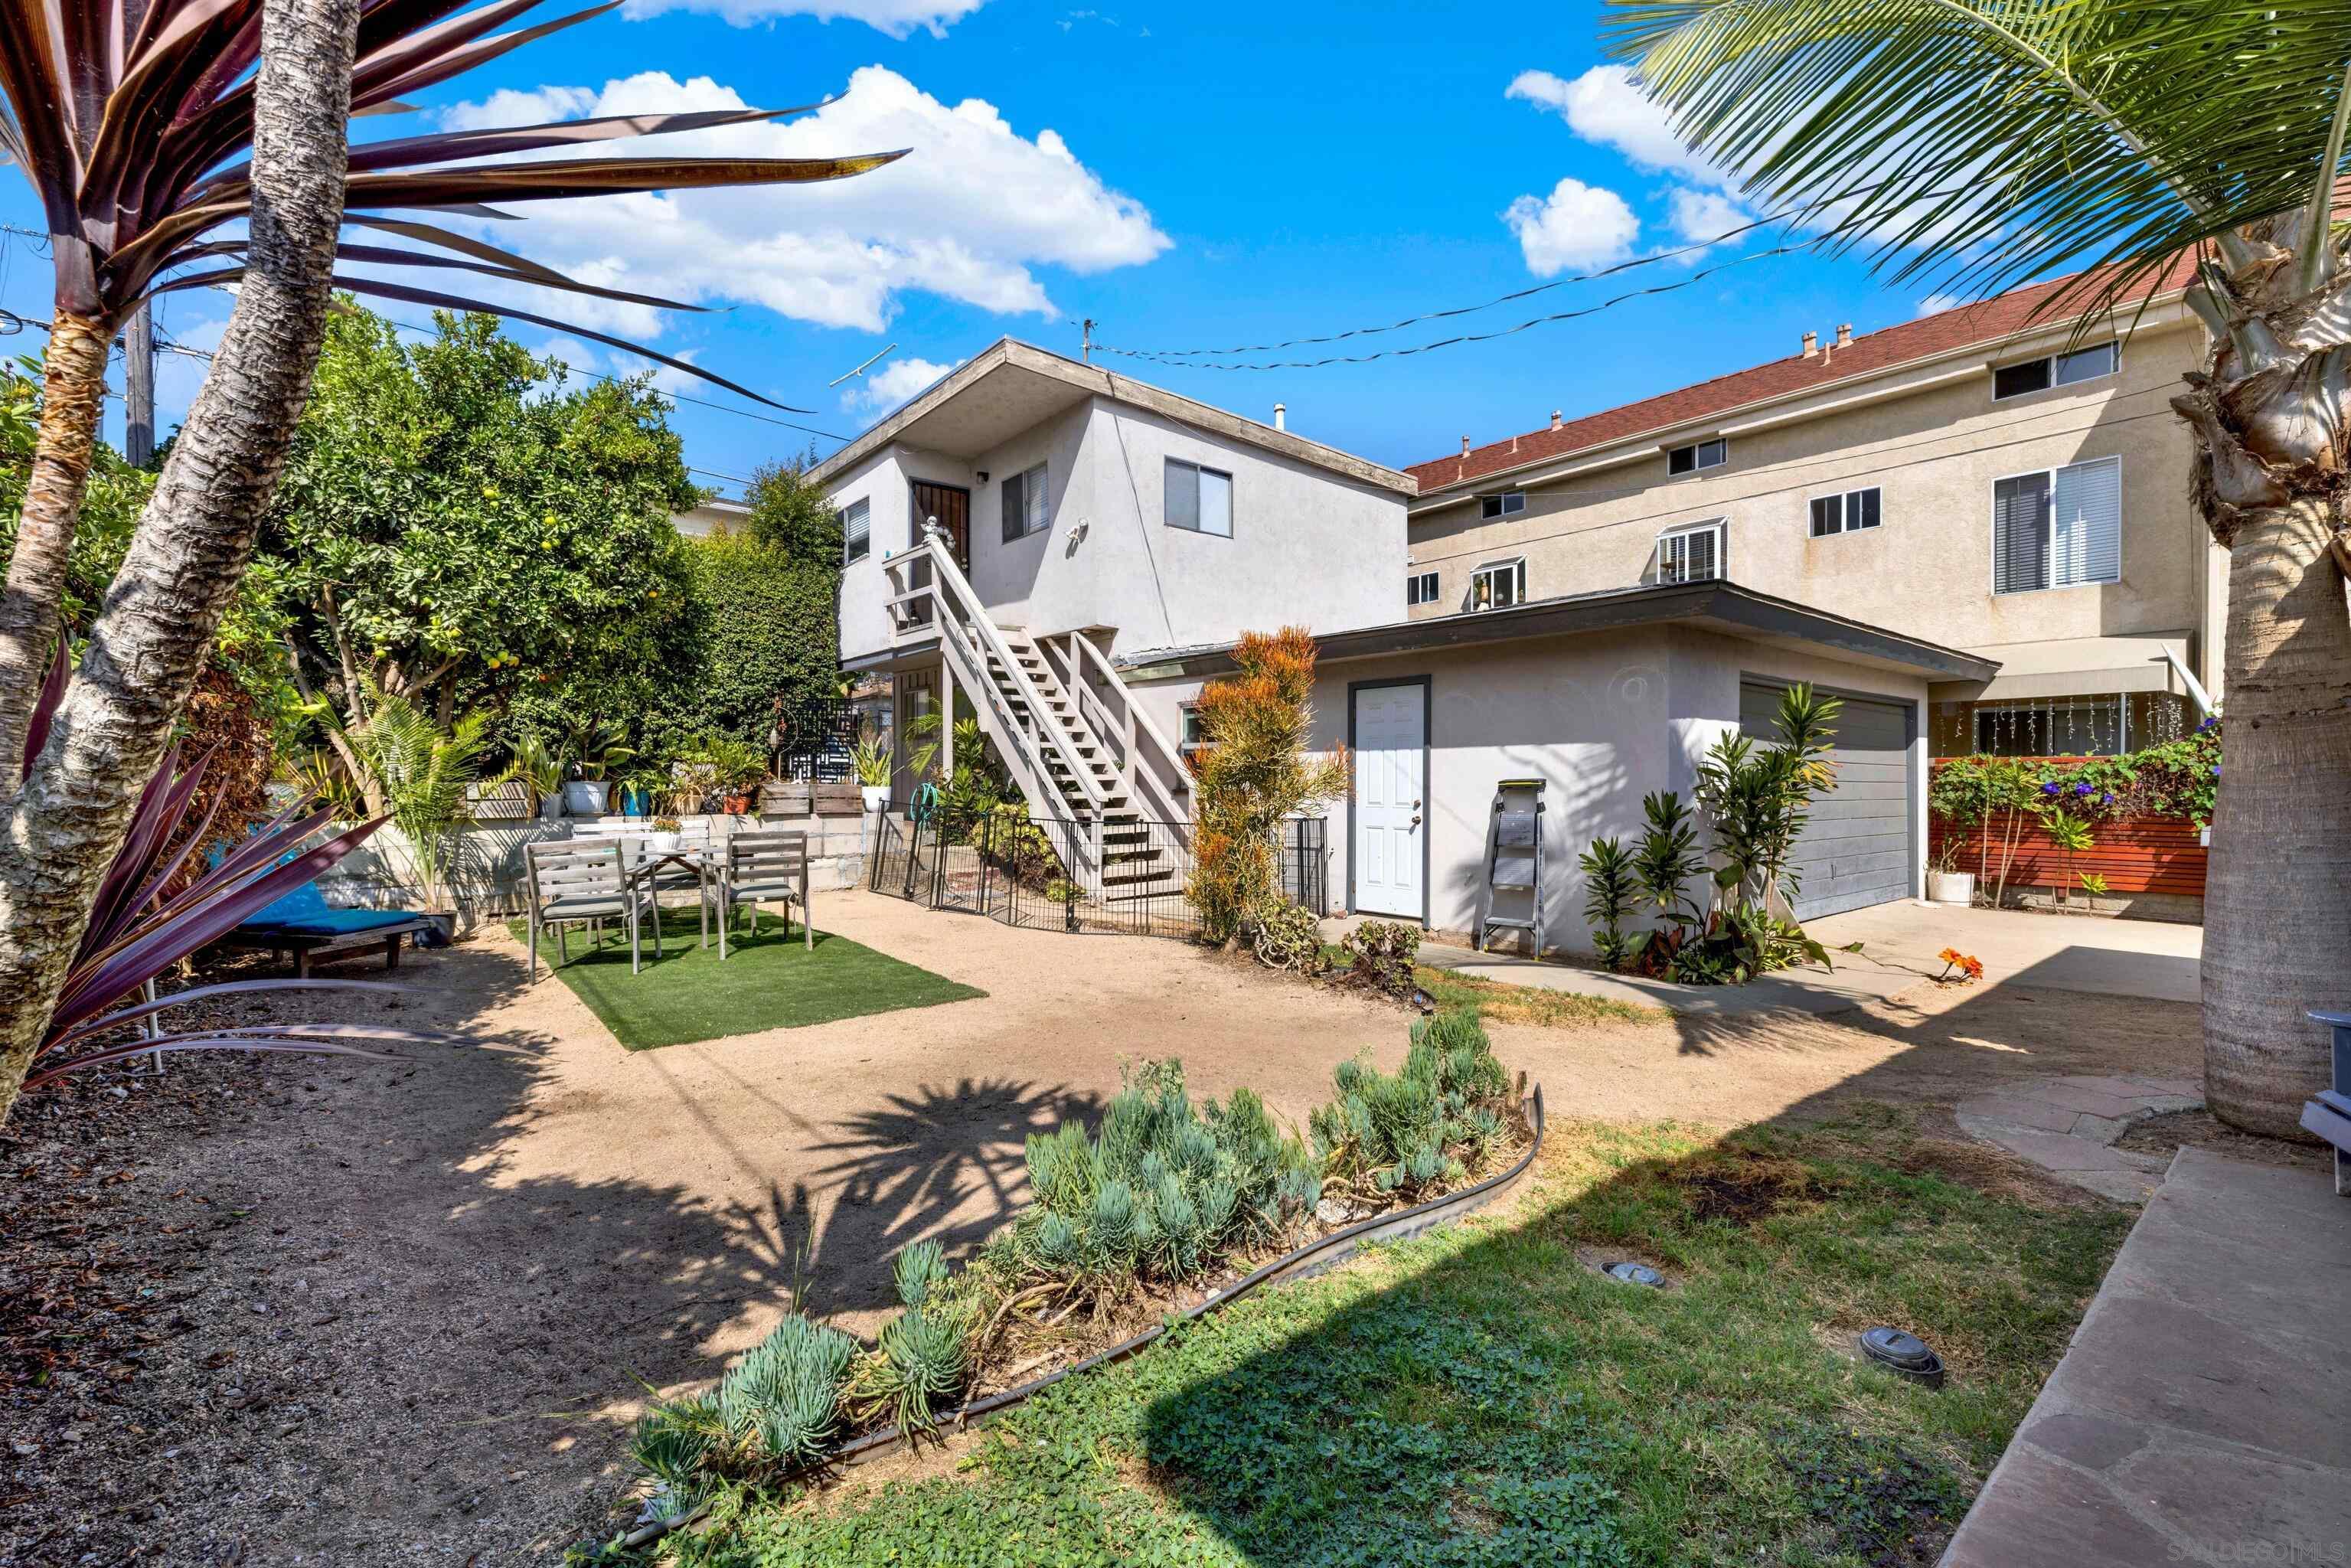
[765, 868]
[578, 881]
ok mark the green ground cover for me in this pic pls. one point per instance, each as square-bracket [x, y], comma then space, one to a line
[768, 981]
[1484, 1396]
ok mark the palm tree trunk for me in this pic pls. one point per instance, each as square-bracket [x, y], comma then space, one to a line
[197, 534]
[73, 389]
[2277, 912]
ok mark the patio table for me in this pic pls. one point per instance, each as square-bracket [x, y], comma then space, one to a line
[693, 860]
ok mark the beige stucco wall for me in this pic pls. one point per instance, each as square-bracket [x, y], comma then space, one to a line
[1934, 450]
[1603, 717]
[1309, 546]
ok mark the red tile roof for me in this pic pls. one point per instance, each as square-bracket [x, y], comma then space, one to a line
[1986, 322]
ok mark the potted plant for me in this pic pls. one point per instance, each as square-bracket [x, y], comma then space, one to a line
[639, 787]
[870, 757]
[537, 769]
[736, 768]
[693, 780]
[1945, 883]
[663, 840]
[595, 751]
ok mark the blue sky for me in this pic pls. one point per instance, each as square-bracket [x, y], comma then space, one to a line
[1189, 175]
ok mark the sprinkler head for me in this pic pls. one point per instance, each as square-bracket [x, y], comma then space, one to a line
[1630, 1273]
[1905, 1354]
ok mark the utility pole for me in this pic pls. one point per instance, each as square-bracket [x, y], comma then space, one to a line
[1089, 349]
[138, 386]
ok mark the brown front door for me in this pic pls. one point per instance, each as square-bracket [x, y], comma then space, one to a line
[951, 504]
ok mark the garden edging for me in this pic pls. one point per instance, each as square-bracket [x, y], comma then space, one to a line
[1323, 1253]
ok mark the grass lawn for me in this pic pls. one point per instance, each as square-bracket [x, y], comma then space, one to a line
[768, 981]
[1482, 1396]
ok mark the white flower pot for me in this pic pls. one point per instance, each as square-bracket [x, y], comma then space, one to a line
[662, 843]
[1952, 887]
[586, 797]
[876, 796]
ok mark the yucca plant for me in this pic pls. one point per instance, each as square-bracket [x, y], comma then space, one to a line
[1975, 144]
[138, 930]
[184, 144]
[1610, 892]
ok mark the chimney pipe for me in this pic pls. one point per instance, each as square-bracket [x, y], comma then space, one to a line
[1811, 344]
[1465, 447]
[1280, 411]
[1555, 419]
[1844, 335]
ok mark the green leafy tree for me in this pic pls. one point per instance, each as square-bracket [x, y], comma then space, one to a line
[2142, 136]
[758, 640]
[791, 515]
[462, 525]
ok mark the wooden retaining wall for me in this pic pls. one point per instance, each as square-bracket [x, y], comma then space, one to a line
[2138, 854]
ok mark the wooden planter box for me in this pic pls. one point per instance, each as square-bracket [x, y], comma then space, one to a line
[843, 799]
[785, 798]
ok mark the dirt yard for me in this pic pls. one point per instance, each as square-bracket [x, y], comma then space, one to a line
[294, 1311]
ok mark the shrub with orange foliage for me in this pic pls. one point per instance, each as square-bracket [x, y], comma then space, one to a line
[1252, 772]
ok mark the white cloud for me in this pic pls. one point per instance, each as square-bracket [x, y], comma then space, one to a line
[896, 17]
[1936, 304]
[1607, 106]
[1699, 215]
[968, 214]
[1577, 225]
[893, 384]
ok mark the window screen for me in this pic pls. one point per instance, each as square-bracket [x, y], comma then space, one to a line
[1846, 514]
[1420, 588]
[1509, 504]
[1028, 504]
[1828, 515]
[2020, 534]
[1198, 499]
[856, 531]
[2087, 364]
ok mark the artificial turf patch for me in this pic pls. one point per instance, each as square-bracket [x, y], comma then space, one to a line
[767, 981]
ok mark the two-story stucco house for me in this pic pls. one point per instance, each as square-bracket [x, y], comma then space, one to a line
[1982, 478]
[1070, 554]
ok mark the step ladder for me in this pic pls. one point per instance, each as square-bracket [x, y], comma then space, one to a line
[1514, 862]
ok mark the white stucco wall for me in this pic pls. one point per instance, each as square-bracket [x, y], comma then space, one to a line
[1309, 545]
[1603, 717]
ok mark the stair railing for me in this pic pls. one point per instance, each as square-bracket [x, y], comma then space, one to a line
[1150, 764]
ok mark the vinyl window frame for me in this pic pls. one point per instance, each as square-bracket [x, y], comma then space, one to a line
[1515, 567]
[2049, 549]
[1720, 445]
[1036, 474]
[1719, 526]
[1498, 505]
[1422, 587]
[856, 531]
[1846, 500]
[1197, 470]
[2056, 363]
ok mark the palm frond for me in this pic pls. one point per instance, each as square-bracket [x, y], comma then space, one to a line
[1982, 143]
[134, 122]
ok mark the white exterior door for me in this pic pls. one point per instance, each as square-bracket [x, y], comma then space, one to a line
[1391, 763]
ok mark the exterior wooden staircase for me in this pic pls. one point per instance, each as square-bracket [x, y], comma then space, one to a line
[1069, 730]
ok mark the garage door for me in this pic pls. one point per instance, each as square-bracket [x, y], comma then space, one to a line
[1855, 849]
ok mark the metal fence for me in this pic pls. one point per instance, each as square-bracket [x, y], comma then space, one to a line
[814, 741]
[1013, 868]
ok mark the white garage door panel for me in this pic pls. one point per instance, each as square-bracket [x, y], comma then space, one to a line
[1856, 849]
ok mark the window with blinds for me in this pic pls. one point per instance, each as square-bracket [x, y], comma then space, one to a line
[2058, 528]
[1028, 504]
[856, 531]
[1691, 555]
[1199, 501]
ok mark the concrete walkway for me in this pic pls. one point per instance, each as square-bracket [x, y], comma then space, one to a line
[1898, 944]
[2201, 1415]
[2068, 1126]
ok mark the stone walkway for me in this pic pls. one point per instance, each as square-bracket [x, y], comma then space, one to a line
[2069, 1126]
[2201, 1414]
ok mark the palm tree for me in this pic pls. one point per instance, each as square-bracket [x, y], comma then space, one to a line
[1990, 141]
[151, 132]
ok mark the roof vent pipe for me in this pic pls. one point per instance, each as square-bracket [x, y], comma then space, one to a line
[1281, 413]
[1555, 419]
[1811, 344]
[1465, 447]
[1844, 335]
